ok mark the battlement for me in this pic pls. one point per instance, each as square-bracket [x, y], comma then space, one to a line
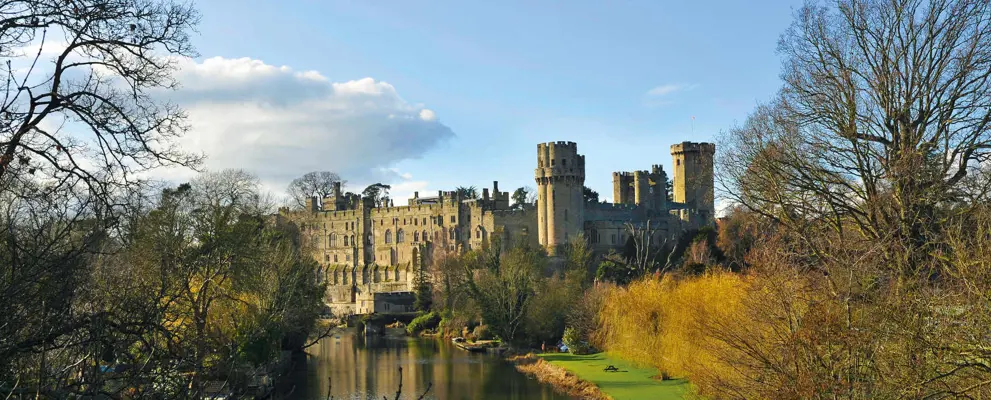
[560, 144]
[693, 147]
[509, 213]
[613, 206]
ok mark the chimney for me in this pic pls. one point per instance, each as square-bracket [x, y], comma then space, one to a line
[485, 193]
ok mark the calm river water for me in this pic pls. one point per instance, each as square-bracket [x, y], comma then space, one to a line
[368, 368]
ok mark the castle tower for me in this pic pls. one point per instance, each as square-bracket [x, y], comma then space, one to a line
[658, 185]
[693, 177]
[560, 177]
[621, 184]
[641, 192]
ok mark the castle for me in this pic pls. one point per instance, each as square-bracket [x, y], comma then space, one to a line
[368, 255]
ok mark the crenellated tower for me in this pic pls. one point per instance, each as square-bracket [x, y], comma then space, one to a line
[693, 178]
[560, 177]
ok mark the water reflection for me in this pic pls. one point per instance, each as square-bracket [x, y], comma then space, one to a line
[368, 368]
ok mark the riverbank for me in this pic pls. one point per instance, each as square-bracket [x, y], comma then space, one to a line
[583, 376]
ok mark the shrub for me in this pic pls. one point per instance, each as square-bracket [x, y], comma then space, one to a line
[453, 325]
[575, 342]
[482, 332]
[423, 322]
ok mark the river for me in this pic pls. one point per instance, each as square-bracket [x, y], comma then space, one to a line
[361, 367]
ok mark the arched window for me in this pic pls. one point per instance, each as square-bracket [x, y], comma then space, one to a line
[451, 231]
[416, 236]
[400, 236]
[388, 235]
[424, 236]
[345, 241]
[478, 234]
[353, 243]
[332, 242]
[424, 222]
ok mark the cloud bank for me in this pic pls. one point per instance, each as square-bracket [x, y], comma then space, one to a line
[280, 123]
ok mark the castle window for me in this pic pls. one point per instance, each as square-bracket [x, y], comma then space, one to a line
[552, 162]
[332, 241]
[416, 236]
[452, 233]
[564, 163]
[415, 221]
[593, 236]
[614, 238]
[388, 236]
[327, 258]
[452, 219]
[335, 258]
[400, 236]
[353, 242]
[345, 241]
[424, 221]
[478, 234]
[424, 236]
[677, 162]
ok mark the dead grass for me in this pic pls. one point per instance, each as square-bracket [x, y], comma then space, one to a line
[559, 378]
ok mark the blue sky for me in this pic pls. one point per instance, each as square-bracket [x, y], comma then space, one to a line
[504, 76]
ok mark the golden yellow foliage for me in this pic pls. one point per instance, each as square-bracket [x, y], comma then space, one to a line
[657, 322]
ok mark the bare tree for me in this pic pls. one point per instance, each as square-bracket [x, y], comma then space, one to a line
[316, 183]
[885, 113]
[645, 251]
[82, 81]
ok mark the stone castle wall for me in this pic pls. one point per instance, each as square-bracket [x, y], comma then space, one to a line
[370, 250]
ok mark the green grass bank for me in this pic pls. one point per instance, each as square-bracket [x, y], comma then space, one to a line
[630, 383]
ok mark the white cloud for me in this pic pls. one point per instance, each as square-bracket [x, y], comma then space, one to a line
[661, 95]
[280, 123]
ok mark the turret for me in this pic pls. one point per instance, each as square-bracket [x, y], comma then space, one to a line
[560, 177]
[693, 178]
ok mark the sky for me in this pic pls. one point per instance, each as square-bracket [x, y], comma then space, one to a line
[430, 95]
